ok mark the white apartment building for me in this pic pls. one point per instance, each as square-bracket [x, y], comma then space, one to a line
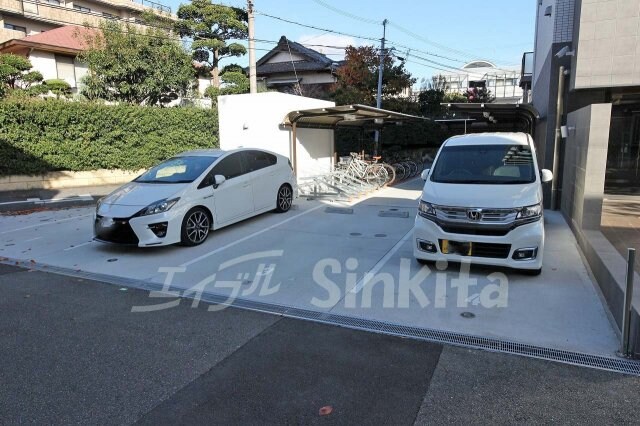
[503, 82]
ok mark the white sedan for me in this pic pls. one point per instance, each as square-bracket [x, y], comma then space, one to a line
[183, 198]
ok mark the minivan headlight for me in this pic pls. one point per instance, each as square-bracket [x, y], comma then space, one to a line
[530, 213]
[159, 207]
[426, 210]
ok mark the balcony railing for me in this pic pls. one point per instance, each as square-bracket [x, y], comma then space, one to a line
[64, 15]
[527, 68]
[154, 5]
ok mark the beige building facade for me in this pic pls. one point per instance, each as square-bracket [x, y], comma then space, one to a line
[20, 18]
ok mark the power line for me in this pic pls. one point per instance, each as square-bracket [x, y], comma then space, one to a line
[397, 26]
[433, 43]
[376, 22]
[362, 37]
[348, 14]
[317, 28]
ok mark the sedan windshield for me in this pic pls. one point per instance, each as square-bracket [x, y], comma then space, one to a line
[178, 170]
[484, 164]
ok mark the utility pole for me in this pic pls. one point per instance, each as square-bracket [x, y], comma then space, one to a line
[253, 83]
[380, 70]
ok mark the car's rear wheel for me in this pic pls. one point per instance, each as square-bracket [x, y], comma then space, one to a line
[284, 199]
[195, 227]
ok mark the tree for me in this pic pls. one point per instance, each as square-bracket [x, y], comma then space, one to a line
[358, 77]
[140, 67]
[479, 95]
[432, 96]
[15, 73]
[211, 26]
[233, 82]
[455, 98]
[57, 87]
[436, 92]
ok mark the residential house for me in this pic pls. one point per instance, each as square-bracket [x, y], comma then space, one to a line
[293, 68]
[53, 53]
[20, 18]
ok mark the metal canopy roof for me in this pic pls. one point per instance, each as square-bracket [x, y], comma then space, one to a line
[347, 116]
[495, 117]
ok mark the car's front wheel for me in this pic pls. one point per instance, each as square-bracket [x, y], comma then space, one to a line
[284, 199]
[195, 227]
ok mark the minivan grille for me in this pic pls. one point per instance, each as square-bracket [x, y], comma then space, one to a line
[448, 213]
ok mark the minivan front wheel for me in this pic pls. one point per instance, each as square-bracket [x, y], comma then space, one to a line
[195, 227]
[284, 199]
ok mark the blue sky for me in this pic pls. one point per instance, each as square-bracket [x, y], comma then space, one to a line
[457, 31]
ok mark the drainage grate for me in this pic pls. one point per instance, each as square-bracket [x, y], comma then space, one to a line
[619, 365]
[338, 210]
[393, 213]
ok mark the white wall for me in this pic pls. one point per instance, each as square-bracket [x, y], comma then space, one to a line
[285, 57]
[81, 71]
[253, 121]
[203, 83]
[315, 77]
[45, 62]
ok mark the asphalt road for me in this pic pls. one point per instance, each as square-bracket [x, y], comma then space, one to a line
[72, 352]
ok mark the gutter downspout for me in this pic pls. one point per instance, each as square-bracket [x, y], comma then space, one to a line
[557, 139]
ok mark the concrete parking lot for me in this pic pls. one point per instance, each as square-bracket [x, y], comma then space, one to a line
[317, 258]
[74, 353]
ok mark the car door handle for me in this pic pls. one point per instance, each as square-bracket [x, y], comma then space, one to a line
[246, 185]
[208, 196]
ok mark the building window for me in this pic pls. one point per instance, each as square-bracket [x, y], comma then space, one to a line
[81, 8]
[109, 15]
[15, 28]
[66, 69]
[54, 2]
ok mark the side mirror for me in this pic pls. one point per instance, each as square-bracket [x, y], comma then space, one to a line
[546, 175]
[218, 180]
[425, 174]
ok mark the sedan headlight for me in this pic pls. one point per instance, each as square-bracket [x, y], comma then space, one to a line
[159, 207]
[426, 210]
[530, 213]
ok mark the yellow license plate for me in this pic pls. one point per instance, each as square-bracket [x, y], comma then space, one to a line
[457, 247]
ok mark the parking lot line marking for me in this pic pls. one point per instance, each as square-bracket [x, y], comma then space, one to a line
[46, 223]
[376, 268]
[248, 237]
[32, 239]
[77, 246]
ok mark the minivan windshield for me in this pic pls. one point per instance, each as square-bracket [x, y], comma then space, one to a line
[484, 164]
[177, 170]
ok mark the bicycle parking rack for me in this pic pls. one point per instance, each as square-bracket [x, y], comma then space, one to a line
[336, 185]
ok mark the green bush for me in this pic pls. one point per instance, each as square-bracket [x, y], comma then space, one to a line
[39, 136]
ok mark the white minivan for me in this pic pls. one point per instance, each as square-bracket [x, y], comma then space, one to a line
[482, 202]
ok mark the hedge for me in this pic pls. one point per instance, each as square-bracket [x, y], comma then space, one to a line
[39, 136]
